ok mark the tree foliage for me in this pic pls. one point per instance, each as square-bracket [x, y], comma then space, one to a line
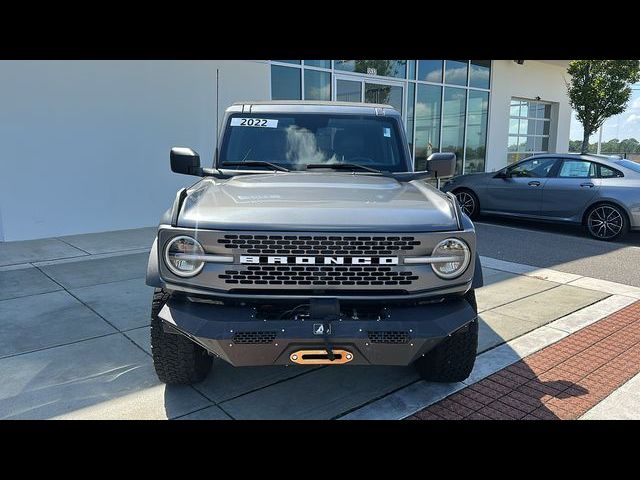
[600, 89]
[628, 145]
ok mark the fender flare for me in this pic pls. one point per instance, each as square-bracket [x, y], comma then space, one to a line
[478, 280]
[153, 269]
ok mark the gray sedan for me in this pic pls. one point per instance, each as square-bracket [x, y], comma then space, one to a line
[601, 193]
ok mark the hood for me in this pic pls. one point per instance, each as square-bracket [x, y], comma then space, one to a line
[310, 201]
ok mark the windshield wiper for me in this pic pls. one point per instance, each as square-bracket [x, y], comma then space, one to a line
[343, 166]
[254, 163]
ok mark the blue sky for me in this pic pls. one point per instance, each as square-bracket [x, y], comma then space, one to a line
[625, 125]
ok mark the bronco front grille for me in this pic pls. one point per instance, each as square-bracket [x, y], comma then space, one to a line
[254, 337]
[317, 275]
[318, 245]
[389, 337]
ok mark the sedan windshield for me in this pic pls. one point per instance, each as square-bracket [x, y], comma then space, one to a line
[295, 140]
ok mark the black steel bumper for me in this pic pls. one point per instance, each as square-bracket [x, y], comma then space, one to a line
[233, 334]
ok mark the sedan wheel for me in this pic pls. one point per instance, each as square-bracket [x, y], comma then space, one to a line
[605, 222]
[468, 203]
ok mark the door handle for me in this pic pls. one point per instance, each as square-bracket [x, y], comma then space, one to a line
[587, 184]
[534, 184]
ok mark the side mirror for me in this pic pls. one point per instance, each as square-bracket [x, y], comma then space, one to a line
[185, 161]
[442, 164]
[501, 174]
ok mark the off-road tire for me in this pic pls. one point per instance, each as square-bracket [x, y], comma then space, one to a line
[175, 358]
[453, 359]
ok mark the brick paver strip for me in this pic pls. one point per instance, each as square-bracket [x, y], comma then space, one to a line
[561, 381]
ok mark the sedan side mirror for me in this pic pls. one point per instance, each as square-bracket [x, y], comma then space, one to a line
[501, 174]
[186, 161]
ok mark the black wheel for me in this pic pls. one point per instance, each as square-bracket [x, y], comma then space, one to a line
[606, 221]
[453, 359]
[175, 358]
[469, 203]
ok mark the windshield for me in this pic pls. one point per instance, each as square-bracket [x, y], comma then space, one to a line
[630, 165]
[295, 140]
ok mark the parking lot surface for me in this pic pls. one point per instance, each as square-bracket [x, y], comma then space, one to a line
[75, 315]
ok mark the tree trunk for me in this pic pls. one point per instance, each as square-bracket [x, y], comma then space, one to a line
[585, 142]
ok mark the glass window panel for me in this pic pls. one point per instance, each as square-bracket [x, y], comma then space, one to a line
[385, 68]
[529, 128]
[317, 85]
[575, 169]
[534, 109]
[285, 83]
[412, 69]
[531, 146]
[515, 108]
[388, 94]
[534, 168]
[348, 91]
[453, 116]
[477, 114]
[545, 127]
[537, 144]
[427, 118]
[318, 63]
[480, 73]
[524, 108]
[456, 72]
[295, 62]
[411, 90]
[547, 111]
[545, 144]
[513, 126]
[524, 126]
[512, 144]
[430, 70]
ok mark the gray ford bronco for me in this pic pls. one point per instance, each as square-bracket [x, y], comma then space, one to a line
[312, 241]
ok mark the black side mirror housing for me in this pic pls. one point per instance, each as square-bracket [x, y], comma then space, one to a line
[186, 161]
[442, 164]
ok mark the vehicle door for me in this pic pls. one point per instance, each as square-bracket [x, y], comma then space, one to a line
[518, 189]
[569, 190]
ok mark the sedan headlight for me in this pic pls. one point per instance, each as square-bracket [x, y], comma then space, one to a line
[183, 256]
[455, 258]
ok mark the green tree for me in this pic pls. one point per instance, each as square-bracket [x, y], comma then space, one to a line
[598, 90]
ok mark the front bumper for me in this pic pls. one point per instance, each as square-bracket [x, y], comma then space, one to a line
[235, 335]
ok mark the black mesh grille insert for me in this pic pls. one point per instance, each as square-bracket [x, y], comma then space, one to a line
[318, 244]
[254, 337]
[389, 337]
[317, 275]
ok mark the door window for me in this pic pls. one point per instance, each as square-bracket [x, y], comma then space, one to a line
[608, 172]
[534, 168]
[577, 169]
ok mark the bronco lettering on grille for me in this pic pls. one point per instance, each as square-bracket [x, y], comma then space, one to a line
[313, 260]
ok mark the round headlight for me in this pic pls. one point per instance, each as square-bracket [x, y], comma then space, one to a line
[455, 258]
[179, 256]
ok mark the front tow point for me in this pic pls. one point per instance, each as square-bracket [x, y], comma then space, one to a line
[321, 357]
[325, 310]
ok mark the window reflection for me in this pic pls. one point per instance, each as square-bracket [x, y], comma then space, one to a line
[430, 70]
[455, 72]
[411, 92]
[480, 73]
[477, 116]
[318, 63]
[388, 94]
[317, 85]
[427, 118]
[453, 123]
[285, 83]
[348, 91]
[384, 68]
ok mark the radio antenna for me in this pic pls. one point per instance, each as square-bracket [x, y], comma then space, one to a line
[217, 109]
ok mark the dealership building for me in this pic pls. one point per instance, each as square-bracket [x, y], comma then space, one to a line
[85, 144]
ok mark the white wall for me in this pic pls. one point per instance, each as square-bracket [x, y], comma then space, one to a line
[531, 80]
[85, 144]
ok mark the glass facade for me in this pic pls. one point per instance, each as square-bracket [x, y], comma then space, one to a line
[444, 103]
[529, 126]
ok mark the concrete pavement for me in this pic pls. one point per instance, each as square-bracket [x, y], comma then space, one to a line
[72, 352]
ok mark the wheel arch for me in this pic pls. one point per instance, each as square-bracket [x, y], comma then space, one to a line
[471, 190]
[605, 201]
